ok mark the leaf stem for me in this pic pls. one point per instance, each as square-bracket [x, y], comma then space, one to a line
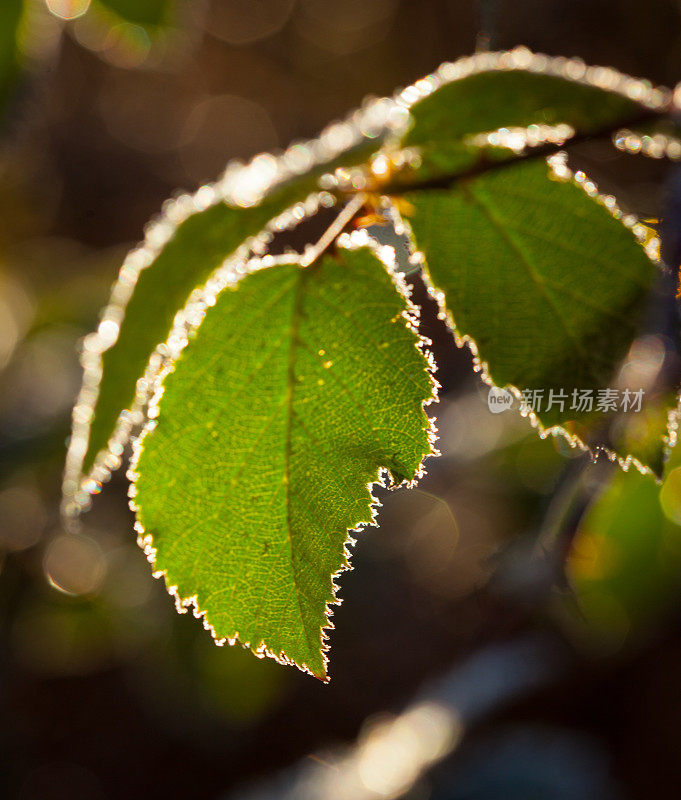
[313, 252]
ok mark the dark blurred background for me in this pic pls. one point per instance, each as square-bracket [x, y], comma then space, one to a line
[109, 107]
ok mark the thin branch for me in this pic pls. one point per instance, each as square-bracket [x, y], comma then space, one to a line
[542, 151]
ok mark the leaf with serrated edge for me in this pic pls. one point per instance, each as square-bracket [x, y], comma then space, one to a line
[546, 287]
[301, 388]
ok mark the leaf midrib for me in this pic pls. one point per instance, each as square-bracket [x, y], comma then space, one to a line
[296, 316]
[487, 208]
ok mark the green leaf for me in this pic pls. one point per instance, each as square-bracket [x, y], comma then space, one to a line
[549, 286]
[444, 122]
[491, 100]
[300, 386]
[199, 245]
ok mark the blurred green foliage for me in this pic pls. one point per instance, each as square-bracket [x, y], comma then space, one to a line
[625, 564]
[153, 13]
[10, 17]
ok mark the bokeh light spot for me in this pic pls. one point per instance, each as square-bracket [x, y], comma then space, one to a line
[247, 21]
[23, 516]
[222, 127]
[68, 9]
[74, 564]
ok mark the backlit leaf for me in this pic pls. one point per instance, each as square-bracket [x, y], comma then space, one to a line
[445, 122]
[547, 284]
[199, 245]
[492, 100]
[301, 385]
